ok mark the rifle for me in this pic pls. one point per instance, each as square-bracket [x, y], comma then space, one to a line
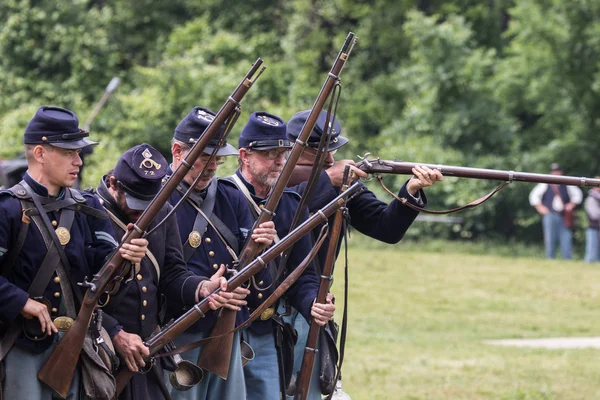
[378, 166]
[216, 355]
[58, 370]
[310, 349]
[181, 324]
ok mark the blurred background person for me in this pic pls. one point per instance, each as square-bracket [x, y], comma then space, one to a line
[556, 205]
[592, 210]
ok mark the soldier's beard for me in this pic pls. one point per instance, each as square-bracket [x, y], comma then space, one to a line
[268, 179]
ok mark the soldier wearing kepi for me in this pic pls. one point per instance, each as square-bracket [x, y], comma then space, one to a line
[213, 223]
[135, 311]
[51, 238]
[263, 149]
[369, 215]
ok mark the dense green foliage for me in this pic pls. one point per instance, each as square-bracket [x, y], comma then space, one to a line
[496, 84]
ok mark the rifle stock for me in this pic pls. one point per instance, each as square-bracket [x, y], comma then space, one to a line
[58, 370]
[378, 166]
[181, 324]
[310, 349]
[226, 319]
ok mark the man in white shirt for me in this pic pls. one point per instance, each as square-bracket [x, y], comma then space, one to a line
[556, 204]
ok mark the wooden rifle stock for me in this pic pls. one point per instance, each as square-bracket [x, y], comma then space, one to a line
[310, 349]
[216, 355]
[58, 370]
[377, 166]
[181, 324]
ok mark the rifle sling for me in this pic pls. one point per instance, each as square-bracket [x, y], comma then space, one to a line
[281, 289]
[472, 204]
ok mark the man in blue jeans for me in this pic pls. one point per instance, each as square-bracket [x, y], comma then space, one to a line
[552, 202]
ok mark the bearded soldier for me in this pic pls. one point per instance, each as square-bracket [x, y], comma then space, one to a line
[51, 238]
[214, 223]
[263, 149]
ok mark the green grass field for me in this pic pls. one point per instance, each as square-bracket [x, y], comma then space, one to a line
[418, 319]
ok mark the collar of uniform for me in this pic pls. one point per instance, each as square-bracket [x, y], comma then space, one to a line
[248, 184]
[40, 189]
[251, 188]
[194, 195]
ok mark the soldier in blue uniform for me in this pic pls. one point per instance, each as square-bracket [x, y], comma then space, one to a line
[38, 292]
[263, 149]
[213, 223]
[134, 312]
[369, 215]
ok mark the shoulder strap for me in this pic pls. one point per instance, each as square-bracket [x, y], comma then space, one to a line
[64, 226]
[149, 254]
[224, 233]
[240, 185]
[207, 205]
[205, 217]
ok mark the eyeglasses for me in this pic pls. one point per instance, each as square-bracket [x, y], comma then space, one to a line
[314, 152]
[274, 153]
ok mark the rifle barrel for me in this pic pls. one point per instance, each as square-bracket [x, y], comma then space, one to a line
[378, 166]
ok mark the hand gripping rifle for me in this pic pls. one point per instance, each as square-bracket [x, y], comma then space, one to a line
[378, 166]
[216, 354]
[310, 350]
[58, 370]
[181, 324]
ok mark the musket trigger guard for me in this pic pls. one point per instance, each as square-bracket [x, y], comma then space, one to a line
[145, 369]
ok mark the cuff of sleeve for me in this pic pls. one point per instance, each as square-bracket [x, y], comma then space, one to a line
[306, 307]
[419, 199]
[189, 290]
[16, 304]
[111, 325]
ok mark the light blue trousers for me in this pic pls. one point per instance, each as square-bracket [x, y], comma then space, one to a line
[22, 366]
[592, 243]
[262, 373]
[212, 387]
[555, 231]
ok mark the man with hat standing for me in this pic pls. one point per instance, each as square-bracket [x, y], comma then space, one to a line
[556, 205]
[369, 215]
[214, 222]
[51, 238]
[134, 313]
[263, 149]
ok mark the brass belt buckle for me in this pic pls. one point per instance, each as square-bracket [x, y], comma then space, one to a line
[268, 313]
[63, 323]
